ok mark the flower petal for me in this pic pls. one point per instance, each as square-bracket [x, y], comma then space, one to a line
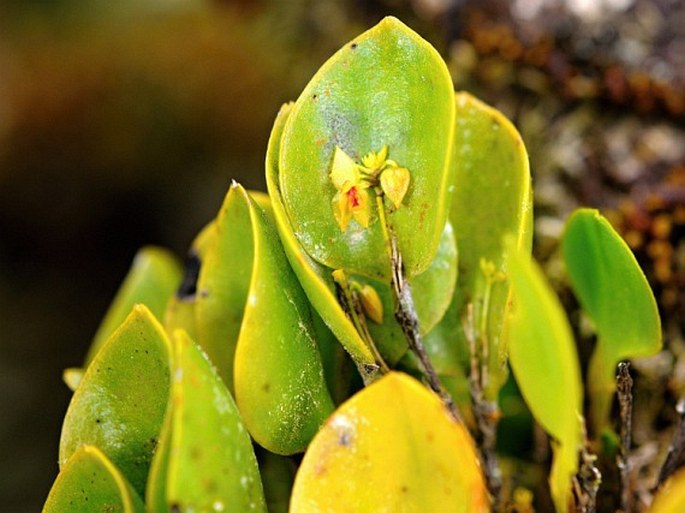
[395, 182]
[345, 172]
[342, 210]
[359, 203]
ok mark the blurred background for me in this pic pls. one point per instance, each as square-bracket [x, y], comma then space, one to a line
[122, 124]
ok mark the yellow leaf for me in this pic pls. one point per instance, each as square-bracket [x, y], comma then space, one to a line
[391, 447]
[671, 496]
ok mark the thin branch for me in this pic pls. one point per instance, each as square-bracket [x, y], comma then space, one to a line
[406, 316]
[624, 387]
[677, 447]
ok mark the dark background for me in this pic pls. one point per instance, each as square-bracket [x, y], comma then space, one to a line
[123, 125]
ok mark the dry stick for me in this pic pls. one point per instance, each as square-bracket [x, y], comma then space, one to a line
[677, 447]
[586, 482]
[484, 411]
[406, 316]
[624, 387]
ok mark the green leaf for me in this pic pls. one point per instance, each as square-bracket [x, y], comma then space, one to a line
[316, 280]
[432, 289]
[492, 197]
[391, 447]
[205, 461]
[223, 286]
[614, 292]
[385, 88]
[152, 279]
[279, 382]
[543, 358]
[90, 483]
[120, 403]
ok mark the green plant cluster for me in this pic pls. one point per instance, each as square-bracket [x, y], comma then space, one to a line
[393, 247]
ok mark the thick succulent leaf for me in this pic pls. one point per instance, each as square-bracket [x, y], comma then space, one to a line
[384, 88]
[391, 447]
[180, 311]
[543, 358]
[278, 375]
[614, 292]
[153, 278]
[316, 280]
[492, 197]
[223, 285]
[432, 289]
[205, 460]
[90, 483]
[120, 403]
[671, 496]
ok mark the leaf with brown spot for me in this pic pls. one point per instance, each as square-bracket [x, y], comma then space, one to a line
[205, 460]
[374, 454]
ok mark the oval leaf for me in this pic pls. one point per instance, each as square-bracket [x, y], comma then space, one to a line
[223, 286]
[432, 289]
[90, 483]
[614, 292]
[279, 381]
[153, 278]
[543, 358]
[315, 279]
[382, 90]
[120, 403]
[391, 447]
[492, 197]
[205, 461]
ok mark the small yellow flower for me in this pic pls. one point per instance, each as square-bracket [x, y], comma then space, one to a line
[352, 203]
[352, 180]
[352, 199]
[375, 161]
